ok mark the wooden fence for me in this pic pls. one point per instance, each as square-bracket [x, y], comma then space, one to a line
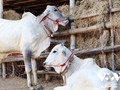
[72, 31]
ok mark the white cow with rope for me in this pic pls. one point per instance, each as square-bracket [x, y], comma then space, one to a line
[81, 74]
[30, 36]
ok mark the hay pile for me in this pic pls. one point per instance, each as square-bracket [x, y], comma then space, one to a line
[87, 7]
[11, 15]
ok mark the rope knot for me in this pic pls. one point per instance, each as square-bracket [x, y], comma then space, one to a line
[57, 21]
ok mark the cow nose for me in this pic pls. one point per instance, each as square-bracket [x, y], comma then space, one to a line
[44, 64]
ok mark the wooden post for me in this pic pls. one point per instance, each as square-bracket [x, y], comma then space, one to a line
[0, 69]
[1, 15]
[1, 8]
[72, 37]
[112, 35]
[47, 76]
[3, 71]
[13, 69]
[104, 38]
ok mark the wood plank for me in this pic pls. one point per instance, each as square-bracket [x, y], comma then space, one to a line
[77, 52]
[47, 72]
[7, 1]
[114, 10]
[25, 3]
[96, 27]
[20, 58]
[32, 6]
[30, 3]
[18, 1]
[44, 4]
[97, 50]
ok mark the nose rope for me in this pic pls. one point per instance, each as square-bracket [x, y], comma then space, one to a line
[56, 21]
[48, 29]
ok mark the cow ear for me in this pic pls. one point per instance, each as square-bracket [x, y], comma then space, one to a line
[43, 15]
[62, 44]
[64, 53]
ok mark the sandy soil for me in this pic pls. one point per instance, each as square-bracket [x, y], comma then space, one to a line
[18, 83]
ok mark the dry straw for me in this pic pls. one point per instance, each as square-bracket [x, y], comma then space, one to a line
[87, 7]
[11, 15]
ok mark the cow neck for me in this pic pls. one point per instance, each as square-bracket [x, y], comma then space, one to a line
[48, 31]
[74, 67]
[69, 61]
[67, 67]
[47, 26]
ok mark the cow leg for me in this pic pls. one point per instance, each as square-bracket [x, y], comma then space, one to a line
[35, 77]
[27, 62]
[34, 71]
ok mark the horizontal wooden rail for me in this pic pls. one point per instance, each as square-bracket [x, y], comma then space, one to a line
[96, 27]
[57, 41]
[77, 52]
[114, 10]
[97, 50]
[46, 72]
[86, 29]
[20, 58]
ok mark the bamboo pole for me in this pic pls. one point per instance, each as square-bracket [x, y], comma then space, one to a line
[46, 72]
[57, 41]
[104, 38]
[76, 51]
[13, 69]
[97, 50]
[72, 37]
[1, 8]
[113, 10]
[112, 35]
[1, 15]
[3, 71]
[96, 27]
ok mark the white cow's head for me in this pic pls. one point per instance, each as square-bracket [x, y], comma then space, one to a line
[58, 56]
[54, 14]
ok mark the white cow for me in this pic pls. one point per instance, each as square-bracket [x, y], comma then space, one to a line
[30, 36]
[81, 74]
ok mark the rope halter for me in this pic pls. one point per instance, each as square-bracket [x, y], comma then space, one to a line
[47, 27]
[69, 60]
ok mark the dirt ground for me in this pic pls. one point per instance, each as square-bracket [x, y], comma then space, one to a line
[18, 83]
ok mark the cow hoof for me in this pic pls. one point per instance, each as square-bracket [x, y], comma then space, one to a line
[39, 87]
[31, 88]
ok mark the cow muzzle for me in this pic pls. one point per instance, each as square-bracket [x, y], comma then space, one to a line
[64, 22]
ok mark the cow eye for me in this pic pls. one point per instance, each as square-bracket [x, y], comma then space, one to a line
[55, 10]
[54, 51]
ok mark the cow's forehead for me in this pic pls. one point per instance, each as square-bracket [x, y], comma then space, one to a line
[58, 47]
[49, 7]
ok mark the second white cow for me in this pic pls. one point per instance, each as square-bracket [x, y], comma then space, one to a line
[81, 74]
